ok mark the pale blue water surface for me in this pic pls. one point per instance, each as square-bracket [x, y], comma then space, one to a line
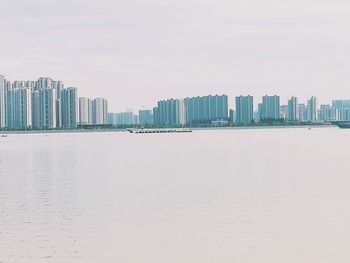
[269, 195]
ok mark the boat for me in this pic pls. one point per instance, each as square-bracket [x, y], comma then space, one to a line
[3, 135]
[142, 131]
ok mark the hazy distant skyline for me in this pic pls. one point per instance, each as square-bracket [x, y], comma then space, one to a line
[136, 52]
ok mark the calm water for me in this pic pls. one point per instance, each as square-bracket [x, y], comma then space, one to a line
[274, 195]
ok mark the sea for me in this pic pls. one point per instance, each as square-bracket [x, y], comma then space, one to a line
[210, 196]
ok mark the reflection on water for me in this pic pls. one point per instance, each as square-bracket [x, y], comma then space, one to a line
[278, 195]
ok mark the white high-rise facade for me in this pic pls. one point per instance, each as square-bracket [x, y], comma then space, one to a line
[182, 112]
[99, 111]
[312, 109]
[85, 111]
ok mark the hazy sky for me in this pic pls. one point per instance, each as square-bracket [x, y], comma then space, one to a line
[135, 52]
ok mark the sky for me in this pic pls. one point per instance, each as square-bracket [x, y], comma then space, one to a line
[136, 52]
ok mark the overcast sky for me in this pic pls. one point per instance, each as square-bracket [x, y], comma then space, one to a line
[135, 52]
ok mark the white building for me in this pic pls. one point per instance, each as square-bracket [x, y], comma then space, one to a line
[182, 112]
[312, 109]
[85, 111]
[99, 111]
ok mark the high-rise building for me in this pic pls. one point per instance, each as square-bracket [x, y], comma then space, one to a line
[284, 112]
[43, 83]
[332, 114]
[48, 83]
[156, 116]
[58, 86]
[47, 108]
[302, 112]
[260, 111]
[99, 111]
[2, 102]
[343, 107]
[9, 108]
[270, 107]
[206, 109]
[21, 107]
[340, 104]
[112, 118]
[121, 118]
[59, 112]
[182, 112]
[136, 120]
[312, 109]
[344, 114]
[256, 116]
[293, 109]
[85, 111]
[170, 112]
[232, 117]
[145, 117]
[23, 84]
[36, 121]
[244, 109]
[329, 113]
[323, 111]
[70, 108]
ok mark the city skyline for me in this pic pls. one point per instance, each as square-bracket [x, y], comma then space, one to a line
[146, 105]
[48, 104]
[231, 102]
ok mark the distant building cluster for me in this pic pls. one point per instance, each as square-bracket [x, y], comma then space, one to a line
[214, 110]
[177, 112]
[270, 109]
[47, 104]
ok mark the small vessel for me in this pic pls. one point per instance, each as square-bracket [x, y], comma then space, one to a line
[3, 135]
[142, 130]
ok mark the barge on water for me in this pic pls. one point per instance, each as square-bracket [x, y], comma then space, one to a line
[158, 130]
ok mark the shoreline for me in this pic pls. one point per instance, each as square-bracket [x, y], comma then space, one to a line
[194, 129]
[268, 127]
